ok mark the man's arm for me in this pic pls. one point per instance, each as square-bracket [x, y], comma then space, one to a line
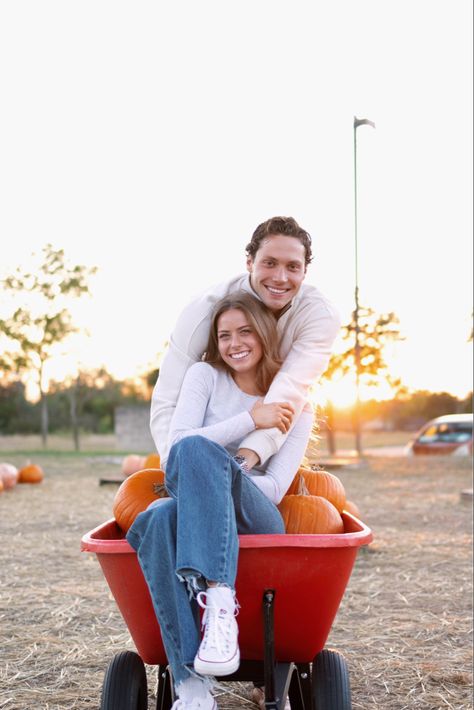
[187, 344]
[306, 361]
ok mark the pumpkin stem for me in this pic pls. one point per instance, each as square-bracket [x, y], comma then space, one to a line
[159, 489]
[302, 487]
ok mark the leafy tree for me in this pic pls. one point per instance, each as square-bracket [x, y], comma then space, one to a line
[150, 379]
[17, 414]
[87, 401]
[69, 399]
[36, 330]
[376, 330]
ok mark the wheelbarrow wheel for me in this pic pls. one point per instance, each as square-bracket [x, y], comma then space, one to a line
[125, 684]
[330, 683]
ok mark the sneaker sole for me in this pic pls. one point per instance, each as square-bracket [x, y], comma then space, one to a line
[217, 669]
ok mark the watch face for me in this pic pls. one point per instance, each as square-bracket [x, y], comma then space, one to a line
[242, 461]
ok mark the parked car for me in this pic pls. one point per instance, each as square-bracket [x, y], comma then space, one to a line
[450, 434]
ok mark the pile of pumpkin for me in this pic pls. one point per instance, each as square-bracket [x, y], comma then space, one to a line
[312, 505]
[10, 475]
[314, 502]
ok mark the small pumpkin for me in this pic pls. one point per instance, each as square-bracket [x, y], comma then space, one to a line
[31, 473]
[152, 461]
[1, 486]
[351, 507]
[319, 483]
[310, 515]
[136, 493]
[132, 463]
[8, 475]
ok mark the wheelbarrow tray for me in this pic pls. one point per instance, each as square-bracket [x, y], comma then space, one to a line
[308, 573]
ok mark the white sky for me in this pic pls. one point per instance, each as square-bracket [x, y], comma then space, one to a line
[150, 138]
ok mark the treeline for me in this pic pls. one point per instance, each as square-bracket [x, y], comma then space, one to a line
[403, 413]
[89, 402]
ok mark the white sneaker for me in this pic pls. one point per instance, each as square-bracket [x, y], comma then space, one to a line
[207, 703]
[219, 652]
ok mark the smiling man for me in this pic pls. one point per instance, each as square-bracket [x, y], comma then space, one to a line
[277, 259]
[277, 266]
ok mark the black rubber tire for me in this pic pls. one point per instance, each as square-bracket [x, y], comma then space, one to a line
[330, 684]
[125, 683]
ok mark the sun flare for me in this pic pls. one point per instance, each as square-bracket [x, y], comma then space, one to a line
[342, 393]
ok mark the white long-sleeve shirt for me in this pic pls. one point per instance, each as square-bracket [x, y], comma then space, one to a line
[212, 405]
[307, 330]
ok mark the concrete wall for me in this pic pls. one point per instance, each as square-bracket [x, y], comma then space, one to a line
[132, 429]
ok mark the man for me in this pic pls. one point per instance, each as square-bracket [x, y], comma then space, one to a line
[277, 259]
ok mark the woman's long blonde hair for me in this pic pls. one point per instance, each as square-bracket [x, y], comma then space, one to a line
[264, 324]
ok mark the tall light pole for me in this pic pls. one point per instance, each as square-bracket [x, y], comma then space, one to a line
[357, 122]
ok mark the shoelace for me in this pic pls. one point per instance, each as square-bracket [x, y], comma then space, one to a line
[215, 626]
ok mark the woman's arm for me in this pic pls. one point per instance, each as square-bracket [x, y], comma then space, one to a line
[189, 415]
[282, 467]
[304, 364]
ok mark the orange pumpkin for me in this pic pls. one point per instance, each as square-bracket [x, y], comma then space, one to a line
[311, 515]
[1, 486]
[31, 473]
[132, 463]
[136, 493]
[152, 461]
[318, 483]
[351, 507]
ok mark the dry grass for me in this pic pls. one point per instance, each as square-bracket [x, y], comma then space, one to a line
[404, 624]
[57, 443]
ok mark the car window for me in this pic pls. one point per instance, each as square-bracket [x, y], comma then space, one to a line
[429, 434]
[448, 433]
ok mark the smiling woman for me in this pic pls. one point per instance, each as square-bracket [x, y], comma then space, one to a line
[188, 545]
[243, 340]
[240, 348]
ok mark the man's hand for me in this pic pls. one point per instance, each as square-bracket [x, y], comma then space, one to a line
[250, 456]
[275, 414]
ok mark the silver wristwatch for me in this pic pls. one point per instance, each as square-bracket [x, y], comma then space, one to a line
[243, 463]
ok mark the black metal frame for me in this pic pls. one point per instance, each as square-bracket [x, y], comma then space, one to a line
[280, 679]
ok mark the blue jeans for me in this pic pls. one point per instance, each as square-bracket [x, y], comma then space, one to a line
[191, 537]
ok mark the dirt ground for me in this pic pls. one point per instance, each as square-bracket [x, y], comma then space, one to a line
[404, 625]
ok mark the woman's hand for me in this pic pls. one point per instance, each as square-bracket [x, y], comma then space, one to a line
[275, 414]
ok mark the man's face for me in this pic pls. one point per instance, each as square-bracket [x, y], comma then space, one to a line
[277, 270]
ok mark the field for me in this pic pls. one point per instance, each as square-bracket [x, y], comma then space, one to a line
[404, 625]
[106, 443]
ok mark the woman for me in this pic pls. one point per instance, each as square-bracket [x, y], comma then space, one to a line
[187, 545]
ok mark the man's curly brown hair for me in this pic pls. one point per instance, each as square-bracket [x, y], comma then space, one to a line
[288, 227]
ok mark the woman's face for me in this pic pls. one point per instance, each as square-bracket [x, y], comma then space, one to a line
[238, 343]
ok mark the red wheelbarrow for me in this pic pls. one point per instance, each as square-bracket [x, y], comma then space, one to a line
[289, 588]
